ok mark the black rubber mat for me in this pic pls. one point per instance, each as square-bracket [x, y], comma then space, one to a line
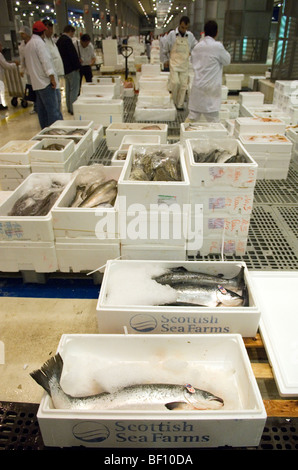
[19, 430]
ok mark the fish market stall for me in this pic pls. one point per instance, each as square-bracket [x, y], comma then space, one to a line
[85, 219]
[220, 405]
[27, 239]
[116, 131]
[171, 297]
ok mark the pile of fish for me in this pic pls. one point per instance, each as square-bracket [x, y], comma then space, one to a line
[38, 201]
[54, 146]
[155, 166]
[121, 155]
[172, 396]
[95, 193]
[218, 155]
[195, 289]
[57, 131]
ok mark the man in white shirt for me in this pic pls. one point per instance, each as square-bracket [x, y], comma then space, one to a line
[87, 57]
[208, 58]
[55, 56]
[43, 76]
[178, 46]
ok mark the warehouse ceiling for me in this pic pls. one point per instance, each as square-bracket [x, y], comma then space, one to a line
[159, 12]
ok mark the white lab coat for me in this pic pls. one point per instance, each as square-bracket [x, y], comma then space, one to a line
[208, 58]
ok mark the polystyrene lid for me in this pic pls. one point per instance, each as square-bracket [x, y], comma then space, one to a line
[277, 296]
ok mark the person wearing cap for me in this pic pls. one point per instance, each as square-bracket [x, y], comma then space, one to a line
[43, 76]
[4, 65]
[55, 56]
[71, 64]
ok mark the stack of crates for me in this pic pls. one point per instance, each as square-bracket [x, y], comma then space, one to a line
[15, 163]
[221, 199]
[285, 97]
[153, 215]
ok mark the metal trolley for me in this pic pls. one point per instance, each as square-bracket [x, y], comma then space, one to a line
[15, 86]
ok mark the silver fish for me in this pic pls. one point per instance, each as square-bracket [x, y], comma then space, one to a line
[104, 193]
[172, 396]
[181, 275]
[208, 296]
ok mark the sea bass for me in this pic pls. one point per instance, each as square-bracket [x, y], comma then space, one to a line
[180, 275]
[172, 396]
[104, 193]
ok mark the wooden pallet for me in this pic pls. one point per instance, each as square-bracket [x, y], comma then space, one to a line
[275, 405]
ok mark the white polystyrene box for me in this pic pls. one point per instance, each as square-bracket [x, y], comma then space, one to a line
[195, 130]
[237, 175]
[153, 192]
[154, 99]
[114, 312]
[38, 256]
[14, 171]
[280, 115]
[99, 105]
[252, 98]
[221, 362]
[168, 113]
[119, 157]
[117, 130]
[10, 184]
[73, 123]
[140, 139]
[278, 325]
[232, 106]
[274, 143]
[218, 245]
[16, 152]
[234, 81]
[28, 228]
[223, 199]
[149, 251]
[85, 222]
[253, 81]
[224, 92]
[221, 223]
[149, 69]
[259, 125]
[75, 160]
[98, 89]
[85, 254]
[153, 84]
[39, 154]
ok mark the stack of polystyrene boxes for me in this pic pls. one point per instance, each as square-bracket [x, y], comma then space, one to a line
[108, 80]
[78, 148]
[250, 98]
[153, 215]
[85, 237]
[106, 91]
[221, 197]
[234, 81]
[100, 110]
[196, 130]
[292, 135]
[154, 99]
[253, 81]
[15, 163]
[271, 152]
[27, 242]
[285, 97]
[116, 131]
[259, 125]
[155, 52]
[229, 107]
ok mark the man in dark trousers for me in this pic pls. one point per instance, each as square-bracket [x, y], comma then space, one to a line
[71, 64]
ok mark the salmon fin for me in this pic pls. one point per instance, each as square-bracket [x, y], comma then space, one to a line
[178, 405]
[52, 368]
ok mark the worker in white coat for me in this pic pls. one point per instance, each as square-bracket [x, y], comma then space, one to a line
[178, 47]
[208, 58]
[4, 65]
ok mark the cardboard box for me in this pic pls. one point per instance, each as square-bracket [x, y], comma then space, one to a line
[221, 362]
[115, 312]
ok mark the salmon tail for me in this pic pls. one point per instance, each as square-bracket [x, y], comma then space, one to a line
[49, 370]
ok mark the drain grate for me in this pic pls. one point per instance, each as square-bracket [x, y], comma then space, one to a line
[277, 191]
[19, 430]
